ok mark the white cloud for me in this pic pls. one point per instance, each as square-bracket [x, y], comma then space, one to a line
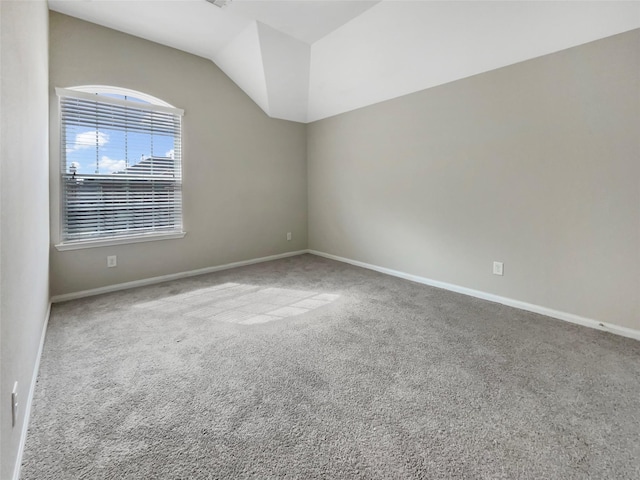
[170, 153]
[111, 165]
[88, 140]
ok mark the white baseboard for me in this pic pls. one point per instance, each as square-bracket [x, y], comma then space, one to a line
[27, 404]
[567, 317]
[172, 276]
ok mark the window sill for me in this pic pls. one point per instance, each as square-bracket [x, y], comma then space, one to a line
[106, 242]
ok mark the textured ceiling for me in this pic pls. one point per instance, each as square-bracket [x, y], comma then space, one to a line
[304, 60]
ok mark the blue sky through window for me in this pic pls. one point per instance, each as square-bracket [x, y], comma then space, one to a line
[107, 150]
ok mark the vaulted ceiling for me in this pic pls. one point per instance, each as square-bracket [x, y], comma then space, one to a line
[304, 60]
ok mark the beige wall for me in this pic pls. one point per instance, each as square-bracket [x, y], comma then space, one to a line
[24, 205]
[536, 165]
[244, 179]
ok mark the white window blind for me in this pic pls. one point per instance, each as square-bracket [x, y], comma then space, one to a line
[121, 167]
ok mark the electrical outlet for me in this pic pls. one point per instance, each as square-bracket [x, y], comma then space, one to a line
[112, 261]
[14, 405]
[288, 236]
[498, 268]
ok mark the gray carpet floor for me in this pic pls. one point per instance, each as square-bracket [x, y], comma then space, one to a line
[308, 368]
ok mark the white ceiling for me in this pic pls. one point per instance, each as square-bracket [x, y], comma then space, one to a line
[306, 20]
[304, 60]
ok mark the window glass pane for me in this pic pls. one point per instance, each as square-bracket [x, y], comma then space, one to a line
[105, 150]
[124, 97]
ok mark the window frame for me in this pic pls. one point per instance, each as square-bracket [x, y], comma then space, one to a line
[90, 92]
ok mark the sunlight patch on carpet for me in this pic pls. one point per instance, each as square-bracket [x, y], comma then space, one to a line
[241, 303]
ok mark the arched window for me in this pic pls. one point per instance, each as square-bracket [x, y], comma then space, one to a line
[121, 169]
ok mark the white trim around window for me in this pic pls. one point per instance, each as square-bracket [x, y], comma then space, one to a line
[120, 168]
[107, 242]
[82, 93]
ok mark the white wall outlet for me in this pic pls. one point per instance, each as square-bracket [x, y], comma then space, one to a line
[288, 236]
[112, 261]
[498, 268]
[14, 404]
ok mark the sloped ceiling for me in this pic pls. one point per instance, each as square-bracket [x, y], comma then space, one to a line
[304, 60]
